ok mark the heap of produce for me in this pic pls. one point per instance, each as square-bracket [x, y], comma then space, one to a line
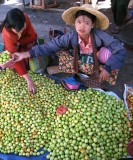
[93, 126]
[4, 57]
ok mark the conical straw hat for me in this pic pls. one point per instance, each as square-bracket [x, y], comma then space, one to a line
[102, 22]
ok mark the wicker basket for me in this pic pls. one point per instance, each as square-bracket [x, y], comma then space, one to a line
[91, 81]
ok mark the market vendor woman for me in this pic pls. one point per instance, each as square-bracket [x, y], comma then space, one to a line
[86, 20]
[19, 35]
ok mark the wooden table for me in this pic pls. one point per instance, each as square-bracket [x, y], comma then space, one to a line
[43, 5]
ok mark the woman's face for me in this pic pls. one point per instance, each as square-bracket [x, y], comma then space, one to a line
[83, 26]
[20, 32]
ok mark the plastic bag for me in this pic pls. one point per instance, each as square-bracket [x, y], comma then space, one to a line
[128, 99]
[110, 93]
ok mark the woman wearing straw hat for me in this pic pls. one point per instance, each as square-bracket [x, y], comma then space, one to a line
[86, 20]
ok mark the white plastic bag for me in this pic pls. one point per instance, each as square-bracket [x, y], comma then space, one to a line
[109, 92]
[128, 92]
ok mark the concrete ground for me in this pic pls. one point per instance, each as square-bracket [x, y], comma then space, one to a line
[43, 20]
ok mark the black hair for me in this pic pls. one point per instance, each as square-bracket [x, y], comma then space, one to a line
[15, 19]
[85, 13]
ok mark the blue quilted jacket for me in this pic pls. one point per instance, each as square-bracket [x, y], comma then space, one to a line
[70, 39]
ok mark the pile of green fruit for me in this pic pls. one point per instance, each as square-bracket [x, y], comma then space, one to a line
[4, 57]
[94, 127]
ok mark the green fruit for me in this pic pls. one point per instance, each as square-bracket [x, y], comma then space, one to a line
[92, 128]
[4, 57]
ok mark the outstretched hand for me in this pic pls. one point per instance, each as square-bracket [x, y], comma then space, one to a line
[20, 56]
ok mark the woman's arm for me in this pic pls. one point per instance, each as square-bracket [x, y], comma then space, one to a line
[115, 46]
[66, 41]
[30, 83]
[53, 46]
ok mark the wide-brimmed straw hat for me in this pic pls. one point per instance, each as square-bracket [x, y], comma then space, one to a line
[102, 22]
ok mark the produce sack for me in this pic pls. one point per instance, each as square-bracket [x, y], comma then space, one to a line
[38, 64]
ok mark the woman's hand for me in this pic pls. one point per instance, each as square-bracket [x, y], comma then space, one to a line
[104, 75]
[20, 56]
[31, 86]
[30, 83]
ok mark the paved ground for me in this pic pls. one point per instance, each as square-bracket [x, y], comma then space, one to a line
[43, 20]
